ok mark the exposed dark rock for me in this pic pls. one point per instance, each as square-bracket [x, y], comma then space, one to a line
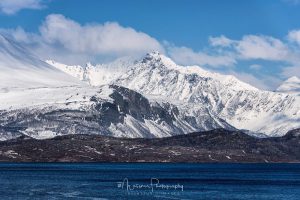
[101, 115]
[212, 146]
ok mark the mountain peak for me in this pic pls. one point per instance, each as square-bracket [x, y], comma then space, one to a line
[213, 98]
[87, 65]
[154, 53]
[157, 59]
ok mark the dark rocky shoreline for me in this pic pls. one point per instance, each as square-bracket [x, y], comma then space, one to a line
[211, 146]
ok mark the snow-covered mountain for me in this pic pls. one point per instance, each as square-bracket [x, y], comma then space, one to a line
[96, 75]
[197, 91]
[291, 85]
[240, 104]
[151, 97]
[108, 110]
[20, 69]
[41, 101]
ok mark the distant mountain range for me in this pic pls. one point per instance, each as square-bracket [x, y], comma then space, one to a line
[151, 97]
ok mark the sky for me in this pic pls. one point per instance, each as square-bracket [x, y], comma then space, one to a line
[257, 41]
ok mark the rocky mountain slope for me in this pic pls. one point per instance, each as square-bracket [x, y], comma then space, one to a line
[106, 110]
[41, 101]
[151, 97]
[198, 91]
[212, 146]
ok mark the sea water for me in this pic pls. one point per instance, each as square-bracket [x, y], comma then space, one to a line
[149, 181]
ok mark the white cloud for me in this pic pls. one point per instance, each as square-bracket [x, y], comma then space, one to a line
[10, 7]
[187, 56]
[109, 38]
[262, 47]
[67, 41]
[294, 36]
[267, 48]
[254, 47]
[220, 41]
[255, 67]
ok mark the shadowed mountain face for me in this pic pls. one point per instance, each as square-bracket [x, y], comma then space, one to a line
[41, 101]
[212, 146]
[199, 91]
[110, 110]
[150, 98]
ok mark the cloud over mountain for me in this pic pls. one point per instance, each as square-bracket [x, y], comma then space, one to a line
[68, 41]
[10, 7]
[107, 38]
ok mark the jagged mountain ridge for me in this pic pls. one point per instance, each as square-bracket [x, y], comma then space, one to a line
[100, 74]
[193, 88]
[41, 101]
[241, 105]
[106, 110]
[152, 97]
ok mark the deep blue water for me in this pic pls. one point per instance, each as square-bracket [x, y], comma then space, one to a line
[192, 181]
